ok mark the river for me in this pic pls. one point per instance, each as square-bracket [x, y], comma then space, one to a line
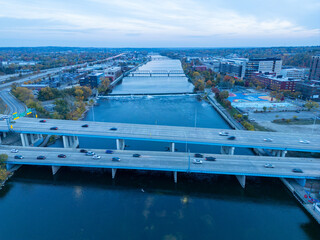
[87, 204]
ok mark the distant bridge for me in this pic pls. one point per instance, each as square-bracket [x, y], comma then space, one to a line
[164, 73]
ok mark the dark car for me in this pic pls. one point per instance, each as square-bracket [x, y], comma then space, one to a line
[109, 151]
[41, 157]
[18, 157]
[232, 138]
[210, 158]
[113, 129]
[43, 121]
[136, 155]
[198, 155]
[116, 159]
[54, 128]
[85, 125]
[83, 151]
[62, 156]
[297, 170]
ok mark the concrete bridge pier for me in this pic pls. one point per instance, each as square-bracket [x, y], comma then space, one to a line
[29, 139]
[55, 169]
[175, 177]
[70, 141]
[278, 153]
[242, 180]
[172, 146]
[301, 181]
[114, 171]
[227, 150]
[120, 144]
[24, 139]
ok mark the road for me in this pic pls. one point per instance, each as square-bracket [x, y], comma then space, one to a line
[166, 161]
[13, 105]
[186, 135]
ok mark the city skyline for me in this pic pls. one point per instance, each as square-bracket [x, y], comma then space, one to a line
[99, 23]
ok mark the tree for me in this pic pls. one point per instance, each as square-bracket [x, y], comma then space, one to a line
[311, 105]
[224, 95]
[264, 108]
[3, 158]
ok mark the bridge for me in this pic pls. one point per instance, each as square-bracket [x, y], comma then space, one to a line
[31, 129]
[239, 166]
[164, 73]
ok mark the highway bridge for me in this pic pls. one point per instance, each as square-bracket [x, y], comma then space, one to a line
[31, 128]
[237, 165]
[165, 73]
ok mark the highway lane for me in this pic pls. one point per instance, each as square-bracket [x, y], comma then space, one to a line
[12, 103]
[191, 135]
[167, 161]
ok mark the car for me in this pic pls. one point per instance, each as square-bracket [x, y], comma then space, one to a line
[62, 156]
[5, 117]
[210, 158]
[96, 157]
[83, 151]
[18, 157]
[304, 141]
[198, 155]
[268, 165]
[231, 138]
[89, 153]
[223, 133]
[113, 129]
[136, 155]
[115, 159]
[85, 125]
[252, 120]
[54, 128]
[267, 140]
[14, 150]
[109, 151]
[41, 157]
[297, 170]
[43, 121]
[197, 161]
[297, 111]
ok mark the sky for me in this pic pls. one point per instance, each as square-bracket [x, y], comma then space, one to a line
[159, 23]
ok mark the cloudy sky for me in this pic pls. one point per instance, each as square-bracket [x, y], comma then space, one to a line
[159, 23]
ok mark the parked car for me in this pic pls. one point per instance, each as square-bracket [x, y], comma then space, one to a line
[223, 133]
[267, 140]
[96, 157]
[197, 161]
[109, 152]
[304, 141]
[268, 165]
[85, 125]
[41, 157]
[210, 158]
[198, 155]
[136, 155]
[54, 128]
[231, 138]
[14, 150]
[89, 153]
[43, 121]
[18, 157]
[113, 129]
[83, 151]
[297, 170]
[116, 159]
[62, 156]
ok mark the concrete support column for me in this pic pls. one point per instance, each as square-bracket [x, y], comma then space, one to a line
[65, 141]
[175, 177]
[24, 139]
[114, 170]
[55, 169]
[9, 166]
[283, 153]
[227, 150]
[301, 181]
[120, 144]
[242, 180]
[172, 147]
[4, 134]
[75, 142]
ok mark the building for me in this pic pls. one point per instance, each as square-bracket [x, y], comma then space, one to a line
[315, 68]
[233, 67]
[296, 73]
[309, 89]
[93, 80]
[273, 82]
[199, 68]
[263, 65]
[113, 73]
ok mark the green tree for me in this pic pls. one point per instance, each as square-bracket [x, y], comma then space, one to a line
[311, 105]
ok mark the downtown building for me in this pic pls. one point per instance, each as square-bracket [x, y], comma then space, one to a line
[275, 83]
[315, 68]
[263, 65]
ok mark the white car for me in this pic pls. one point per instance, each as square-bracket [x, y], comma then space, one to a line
[14, 150]
[268, 165]
[96, 157]
[267, 140]
[197, 161]
[304, 141]
[223, 133]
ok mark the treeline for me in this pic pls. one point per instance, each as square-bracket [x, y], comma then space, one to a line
[69, 104]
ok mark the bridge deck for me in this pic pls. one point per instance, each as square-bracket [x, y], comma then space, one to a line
[167, 161]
